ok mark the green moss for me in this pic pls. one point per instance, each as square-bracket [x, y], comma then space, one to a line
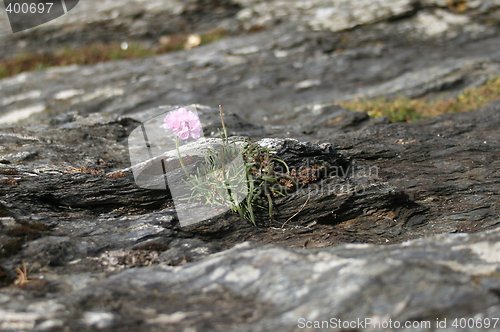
[404, 109]
[458, 6]
[213, 36]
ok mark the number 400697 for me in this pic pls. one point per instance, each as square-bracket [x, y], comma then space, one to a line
[29, 8]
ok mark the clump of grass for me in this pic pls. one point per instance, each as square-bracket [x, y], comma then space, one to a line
[250, 188]
[396, 110]
[102, 52]
[265, 172]
[216, 178]
[404, 109]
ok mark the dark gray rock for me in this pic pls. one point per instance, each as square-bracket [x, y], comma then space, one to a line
[84, 225]
[252, 288]
[274, 74]
[382, 232]
[120, 21]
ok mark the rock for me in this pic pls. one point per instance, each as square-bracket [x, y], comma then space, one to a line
[321, 15]
[257, 288]
[381, 213]
[385, 220]
[125, 21]
[119, 21]
[381, 57]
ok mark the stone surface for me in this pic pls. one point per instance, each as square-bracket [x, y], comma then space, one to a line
[267, 85]
[250, 288]
[403, 226]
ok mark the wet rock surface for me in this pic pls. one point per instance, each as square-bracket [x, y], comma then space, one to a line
[403, 226]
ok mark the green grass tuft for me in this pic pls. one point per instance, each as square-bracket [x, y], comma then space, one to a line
[404, 109]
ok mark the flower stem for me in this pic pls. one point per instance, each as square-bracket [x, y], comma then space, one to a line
[221, 113]
[225, 144]
[179, 155]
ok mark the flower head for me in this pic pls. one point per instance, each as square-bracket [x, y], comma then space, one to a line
[183, 123]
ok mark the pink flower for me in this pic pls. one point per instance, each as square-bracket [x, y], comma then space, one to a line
[183, 123]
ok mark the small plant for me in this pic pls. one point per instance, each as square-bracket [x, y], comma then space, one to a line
[250, 189]
[22, 275]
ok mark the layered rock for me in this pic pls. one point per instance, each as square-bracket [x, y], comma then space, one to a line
[404, 226]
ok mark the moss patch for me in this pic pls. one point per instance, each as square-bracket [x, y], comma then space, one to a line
[403, 109]
[459, 6]
[102, 52]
